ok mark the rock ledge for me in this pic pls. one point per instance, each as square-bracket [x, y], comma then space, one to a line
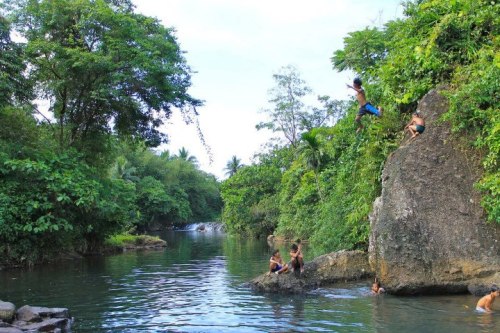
[324, 270]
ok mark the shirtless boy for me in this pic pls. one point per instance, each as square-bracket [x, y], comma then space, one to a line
[376, 288]
[364, 106]
[276, 262]
[297, 259]
[484, 304]
[416, 126]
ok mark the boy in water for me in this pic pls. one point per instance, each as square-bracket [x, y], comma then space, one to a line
[364, 106]
[376, 288]
[416, 125]
[484, 304]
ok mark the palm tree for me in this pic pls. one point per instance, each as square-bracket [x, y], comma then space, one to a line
[165, 155]
[232, 166]
[124, 170]
[311, 153]
[184, 155]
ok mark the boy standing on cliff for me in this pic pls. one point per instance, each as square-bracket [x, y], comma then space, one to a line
[364, 106]
[484, 304]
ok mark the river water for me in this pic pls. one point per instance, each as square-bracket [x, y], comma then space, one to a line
[198, 284]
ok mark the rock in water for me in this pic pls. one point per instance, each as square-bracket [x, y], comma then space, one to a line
[323, 270]
[429, 233]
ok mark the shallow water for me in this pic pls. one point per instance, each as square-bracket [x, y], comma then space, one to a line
[197, 284]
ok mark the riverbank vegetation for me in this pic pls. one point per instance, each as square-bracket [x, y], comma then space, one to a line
[86, 168]
[320, 183]
[122, 242]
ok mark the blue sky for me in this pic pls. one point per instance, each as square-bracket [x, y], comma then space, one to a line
[235, 46]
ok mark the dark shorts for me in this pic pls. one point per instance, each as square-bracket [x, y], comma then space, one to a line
[277, 268]
[420, 128]
[370, 109]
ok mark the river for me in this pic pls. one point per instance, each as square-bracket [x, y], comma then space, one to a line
[197, 284]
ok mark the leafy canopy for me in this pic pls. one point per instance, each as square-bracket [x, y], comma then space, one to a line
[103, 67]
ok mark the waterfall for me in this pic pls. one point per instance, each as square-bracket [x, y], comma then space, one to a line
[203, 227]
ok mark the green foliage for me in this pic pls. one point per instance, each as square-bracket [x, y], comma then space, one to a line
[443, 42]
[250, 199]
[298, 203]
[47, 203]
[103, 65]
[362, 53]
[152, 199]
[332, 175]
[474, 112]
[53, 202]
[122, 240]
[13, 86]
[111, 77]
[334, 213]
[436, 38]
[196, 193]
[173, 189]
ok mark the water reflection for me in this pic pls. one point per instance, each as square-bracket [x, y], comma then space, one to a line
[197, 284]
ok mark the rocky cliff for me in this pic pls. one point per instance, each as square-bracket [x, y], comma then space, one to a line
[429, 232]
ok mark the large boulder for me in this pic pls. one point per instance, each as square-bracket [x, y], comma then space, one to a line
[429, 233]
[323, 270]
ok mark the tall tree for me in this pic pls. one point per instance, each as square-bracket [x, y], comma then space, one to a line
[327, 115]
[288, 112]
[232, 166]
[103, 67]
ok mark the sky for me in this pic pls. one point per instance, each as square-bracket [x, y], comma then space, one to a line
[235, 46]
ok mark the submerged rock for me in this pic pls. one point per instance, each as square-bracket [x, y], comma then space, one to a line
[429, 233]
[323, 270]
